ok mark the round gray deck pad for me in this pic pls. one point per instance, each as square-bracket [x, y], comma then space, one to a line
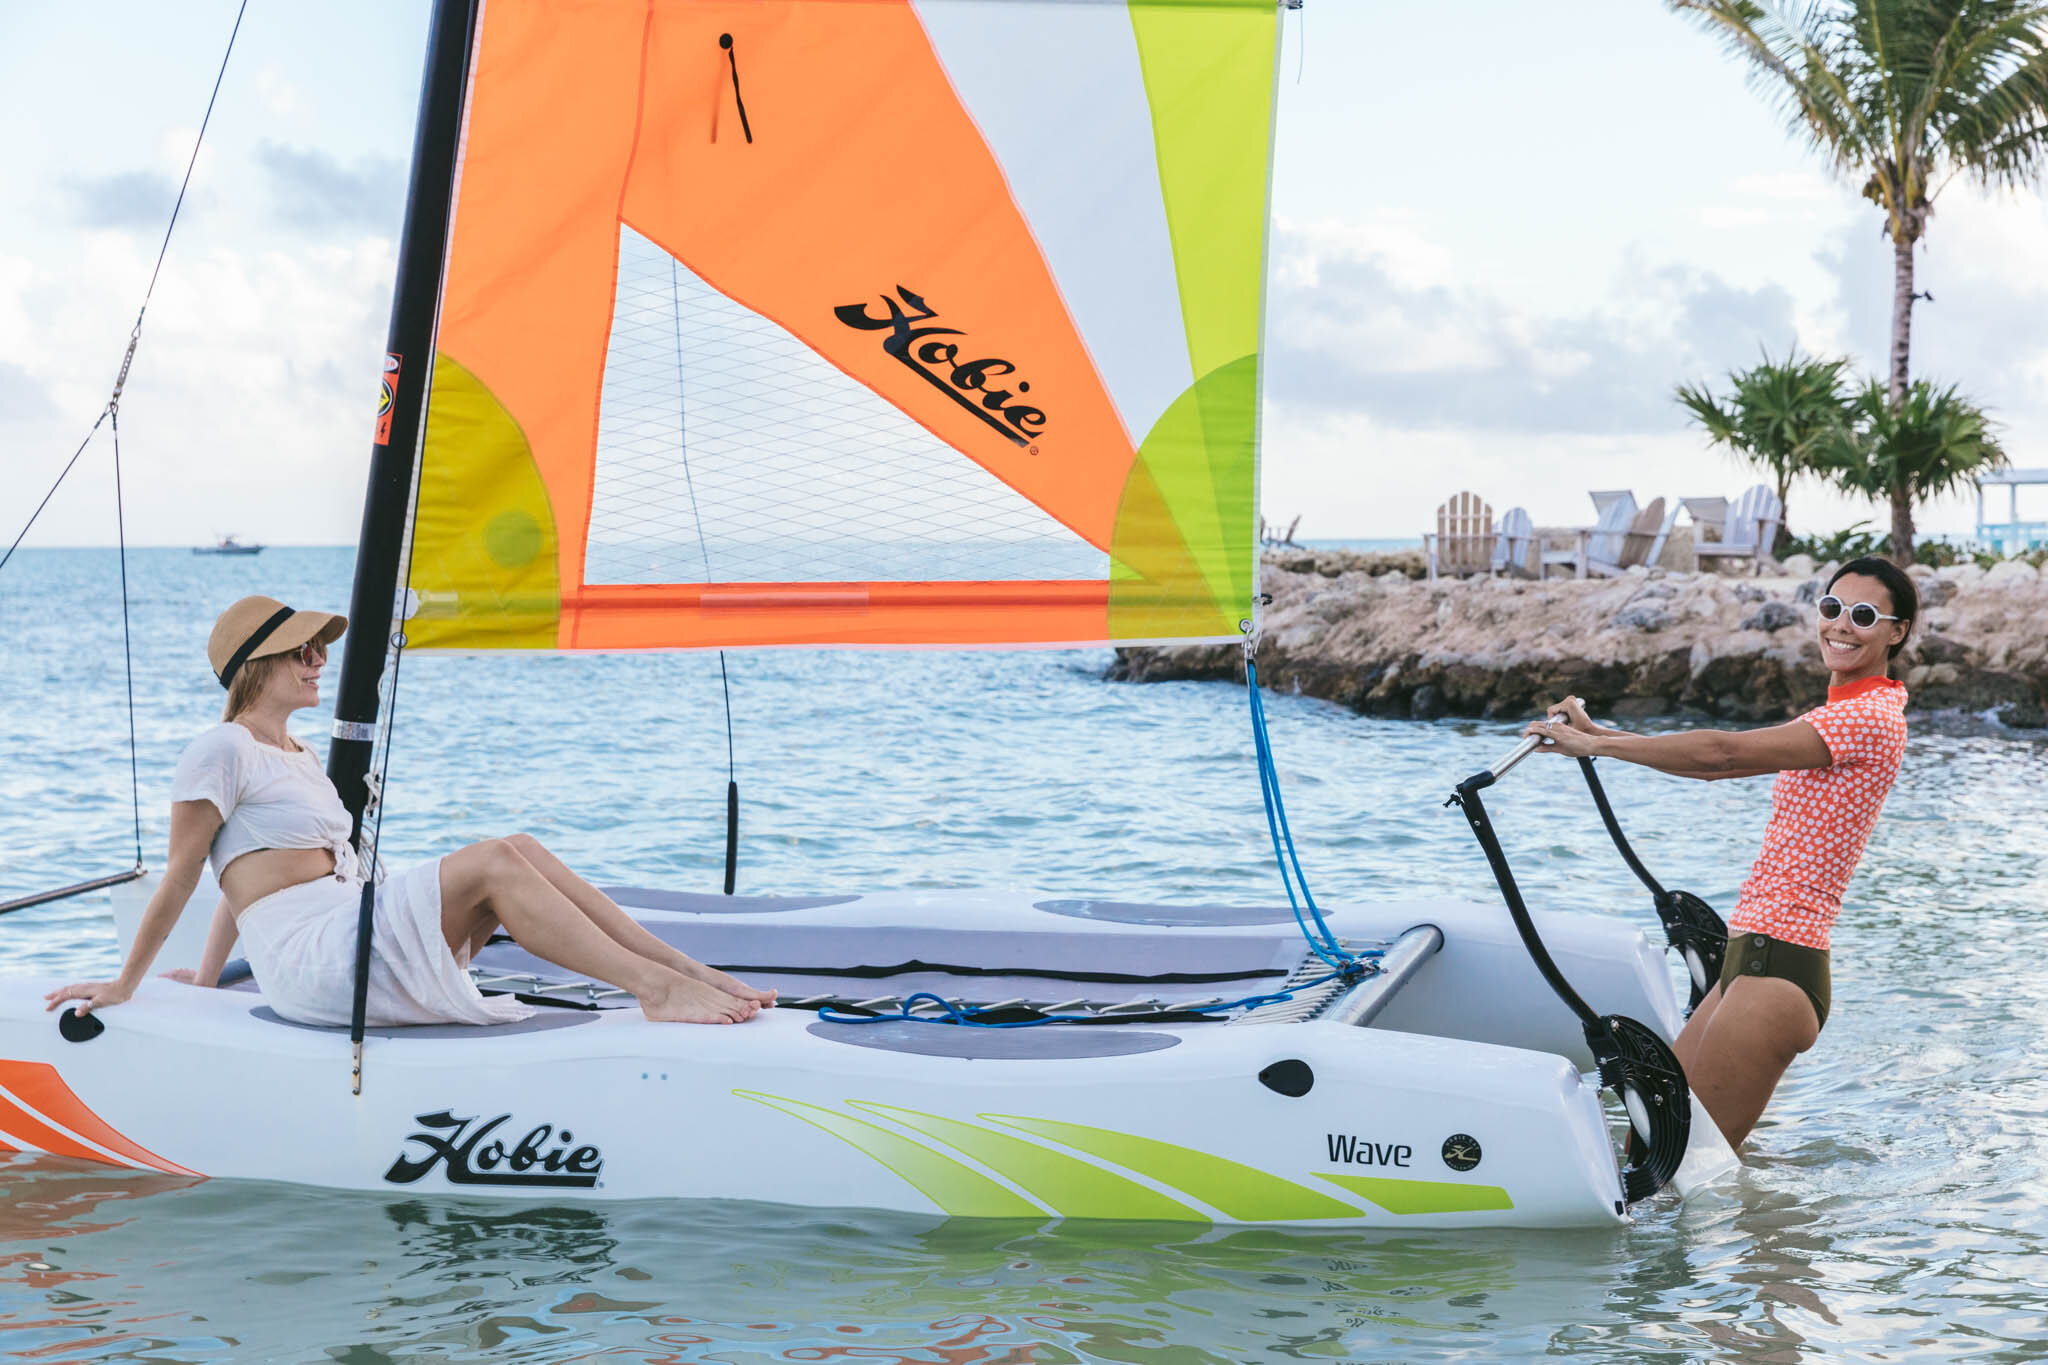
[1169, 916]
[1052, 1043]
[710, 903]
[539, 1023]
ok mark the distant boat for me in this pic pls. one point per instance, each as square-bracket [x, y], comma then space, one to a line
[227, 545]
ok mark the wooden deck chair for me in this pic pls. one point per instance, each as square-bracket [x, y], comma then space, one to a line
[1511, 546]
[1603, 498]
[1749, 530]
[1599, 543]
[1705, 513]
[1656, 551]
[1635, 544]
[1464, 537]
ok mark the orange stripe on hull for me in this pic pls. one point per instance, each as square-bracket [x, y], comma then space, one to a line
[38, 1083]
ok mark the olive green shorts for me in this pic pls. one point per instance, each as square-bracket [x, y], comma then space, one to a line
[1752, 954]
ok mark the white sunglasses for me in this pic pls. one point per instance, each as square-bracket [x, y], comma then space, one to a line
[1862, 615]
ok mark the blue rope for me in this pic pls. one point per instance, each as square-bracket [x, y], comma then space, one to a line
[1321, 939]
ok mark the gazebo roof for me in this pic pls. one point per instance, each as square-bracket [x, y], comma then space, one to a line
[2004, 477]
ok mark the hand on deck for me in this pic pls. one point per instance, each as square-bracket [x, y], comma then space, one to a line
[91, 995]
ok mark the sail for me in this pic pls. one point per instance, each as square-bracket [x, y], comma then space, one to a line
[850, 322]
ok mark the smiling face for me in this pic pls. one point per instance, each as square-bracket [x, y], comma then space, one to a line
[1852, 653]
[294, 681]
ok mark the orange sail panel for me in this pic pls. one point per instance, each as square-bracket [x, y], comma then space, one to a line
[849, 322]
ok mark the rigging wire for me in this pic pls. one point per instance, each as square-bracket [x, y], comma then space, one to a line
[1321, 939]
[110, 414]
[732, 784]
[127, 645]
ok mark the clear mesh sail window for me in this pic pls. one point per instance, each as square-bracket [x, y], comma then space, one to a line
[730, 452]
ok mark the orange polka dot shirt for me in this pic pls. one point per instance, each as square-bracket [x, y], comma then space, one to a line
[1821, 817]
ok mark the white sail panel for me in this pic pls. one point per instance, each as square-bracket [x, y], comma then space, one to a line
[1084, 172]
[728, 451]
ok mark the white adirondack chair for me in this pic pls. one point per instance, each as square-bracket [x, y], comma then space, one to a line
[1599, 543]
[1656, 551]
[1635, 545]
[1748, 530]
[1511, 544]
[1464, 537]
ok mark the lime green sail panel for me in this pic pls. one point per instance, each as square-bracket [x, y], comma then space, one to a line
[1244, 1192]
[483, 548]
[1208, 72]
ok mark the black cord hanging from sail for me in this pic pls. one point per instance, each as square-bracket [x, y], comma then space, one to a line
[732, 784]
[733, 61]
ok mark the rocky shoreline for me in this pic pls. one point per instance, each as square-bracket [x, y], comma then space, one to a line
[1365, 631]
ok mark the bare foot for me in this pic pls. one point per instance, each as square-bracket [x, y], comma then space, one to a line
[694, 1002]
[731, 985]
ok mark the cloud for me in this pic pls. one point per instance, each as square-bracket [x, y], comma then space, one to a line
[130, 199]
[310, 189]
[1350, 336]
[22, 399]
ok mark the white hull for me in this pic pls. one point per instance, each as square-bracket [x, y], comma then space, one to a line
[788, 1110]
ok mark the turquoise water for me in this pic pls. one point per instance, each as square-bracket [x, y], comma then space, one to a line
[1891, 1209]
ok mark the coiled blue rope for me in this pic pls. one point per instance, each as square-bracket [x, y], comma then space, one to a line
[951, 1013]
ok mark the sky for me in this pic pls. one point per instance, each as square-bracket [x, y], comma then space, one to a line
[1502, 233]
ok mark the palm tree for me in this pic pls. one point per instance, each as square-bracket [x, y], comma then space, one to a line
[1905, 95]
[1906, 452]
[1777, 415]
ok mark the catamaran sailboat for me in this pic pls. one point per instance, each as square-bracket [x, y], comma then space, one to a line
[903, 323]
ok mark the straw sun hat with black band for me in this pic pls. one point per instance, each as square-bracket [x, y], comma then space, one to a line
[257, 627]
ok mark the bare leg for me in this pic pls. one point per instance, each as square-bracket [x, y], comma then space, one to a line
[621, 927]
[1744, 1048]
[491, 881]
[1686, 1046]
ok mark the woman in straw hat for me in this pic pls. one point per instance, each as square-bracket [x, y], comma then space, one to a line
[254, 800]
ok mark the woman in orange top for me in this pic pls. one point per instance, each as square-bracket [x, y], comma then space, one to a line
[1834, 766]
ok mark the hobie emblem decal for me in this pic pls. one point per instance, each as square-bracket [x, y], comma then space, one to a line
[934, 353]
[473, 1156]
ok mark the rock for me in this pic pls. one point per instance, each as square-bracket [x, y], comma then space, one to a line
[1962, 575]
[1798, 566]
[2012, 571]
[1934, 591]
[1749, 592]
[1427, 703]
[2022, 715]
[1644, 616]
[1773, 616]
[1808, 592]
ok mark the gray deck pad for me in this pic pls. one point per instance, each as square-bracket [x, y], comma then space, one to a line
[776, 957]
[1051, 1044]
[707, 903]
[540, 1023]
[1168, 916]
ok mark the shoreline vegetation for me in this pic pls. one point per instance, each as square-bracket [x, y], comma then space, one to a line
[1364, 630]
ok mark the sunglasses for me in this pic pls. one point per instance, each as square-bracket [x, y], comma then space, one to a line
[1862, 615]
[311, 654]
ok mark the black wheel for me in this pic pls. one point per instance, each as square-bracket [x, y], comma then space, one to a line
[1637, 1066]
[1701, 938]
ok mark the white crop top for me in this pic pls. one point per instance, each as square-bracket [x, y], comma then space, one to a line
[267, 797]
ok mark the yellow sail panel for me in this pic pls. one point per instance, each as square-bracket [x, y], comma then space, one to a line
[795, 332]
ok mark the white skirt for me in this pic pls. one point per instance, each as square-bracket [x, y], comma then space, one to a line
[301, 944]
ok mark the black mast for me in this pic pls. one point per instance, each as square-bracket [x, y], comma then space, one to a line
[408, 368]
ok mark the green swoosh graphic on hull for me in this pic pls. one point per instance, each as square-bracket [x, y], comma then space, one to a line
[1071, 1186]
[960, 1190]
[1239, 1190]
[1422, 1196]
